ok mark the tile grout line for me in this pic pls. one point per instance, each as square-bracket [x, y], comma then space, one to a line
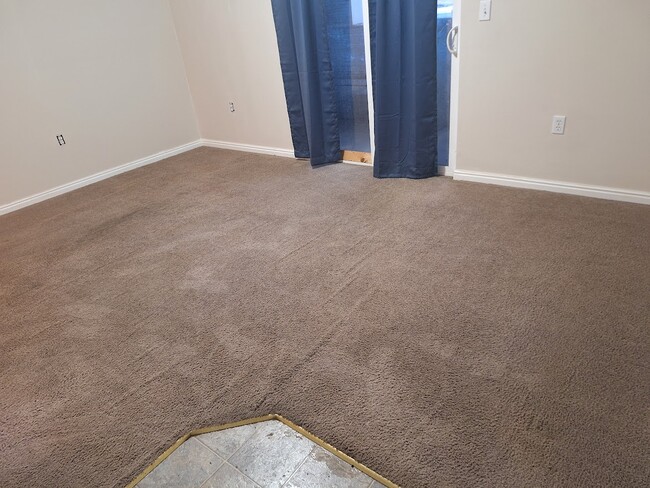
[208, 448]
[246, 442]
[300, 465]
[201, 444]
[248, 439]
[243, 474]
[294, 471]
[216, 470]
[233, 467]
[255, 431]
[223, 461]
[231, 455]
[304, 459]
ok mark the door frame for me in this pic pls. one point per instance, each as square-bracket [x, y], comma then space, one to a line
[371, 106]
[453, 101]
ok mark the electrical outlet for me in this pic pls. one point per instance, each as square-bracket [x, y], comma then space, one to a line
[485, 10]
[60, 139]
[558, 124]
[231, 106]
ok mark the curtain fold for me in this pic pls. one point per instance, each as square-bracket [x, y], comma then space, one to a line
[403, 56]
[301, 28]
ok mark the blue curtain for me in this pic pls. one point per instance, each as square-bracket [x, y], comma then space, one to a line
[301, 27]
[403, 52]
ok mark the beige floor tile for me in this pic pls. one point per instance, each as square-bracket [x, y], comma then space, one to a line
[272, 454]
[187, 467]
[229, 477]
[263, 455]
[322, 469]
[226, 442]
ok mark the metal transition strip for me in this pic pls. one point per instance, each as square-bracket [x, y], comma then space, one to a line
[205, 430]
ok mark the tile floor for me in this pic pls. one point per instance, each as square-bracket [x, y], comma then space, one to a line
[266, 454]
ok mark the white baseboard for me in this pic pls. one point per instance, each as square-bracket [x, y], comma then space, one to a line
[554, 186]
[102, 175]
[236, 146]
[463, 175]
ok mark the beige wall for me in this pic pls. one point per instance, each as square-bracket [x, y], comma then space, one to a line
[107, 74]
[231, 55]
[586, 59]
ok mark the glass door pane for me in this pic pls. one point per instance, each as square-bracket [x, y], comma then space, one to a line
[443, 73]
[347, 51]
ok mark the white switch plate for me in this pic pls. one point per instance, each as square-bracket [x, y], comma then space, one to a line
[485, 10]
[558, 124]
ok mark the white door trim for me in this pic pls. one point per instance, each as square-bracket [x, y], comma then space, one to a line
[453, 102]
[371, 106]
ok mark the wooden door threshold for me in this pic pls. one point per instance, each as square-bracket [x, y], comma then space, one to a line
[356, 157]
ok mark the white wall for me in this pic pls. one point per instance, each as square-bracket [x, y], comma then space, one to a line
[586, 59]
[107, 74]
[231, 54]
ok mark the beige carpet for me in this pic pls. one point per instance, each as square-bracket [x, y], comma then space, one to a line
[442, 333]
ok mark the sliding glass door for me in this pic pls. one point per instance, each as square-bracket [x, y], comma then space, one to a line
[347, 51]
[443, 73]
[326, 67]
[348, 55]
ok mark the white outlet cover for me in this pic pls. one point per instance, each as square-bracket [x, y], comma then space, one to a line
[559, 121]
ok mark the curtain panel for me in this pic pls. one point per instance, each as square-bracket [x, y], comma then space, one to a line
[403, 56]
[301, 28]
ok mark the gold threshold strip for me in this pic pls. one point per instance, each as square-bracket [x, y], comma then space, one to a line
[273, 416]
